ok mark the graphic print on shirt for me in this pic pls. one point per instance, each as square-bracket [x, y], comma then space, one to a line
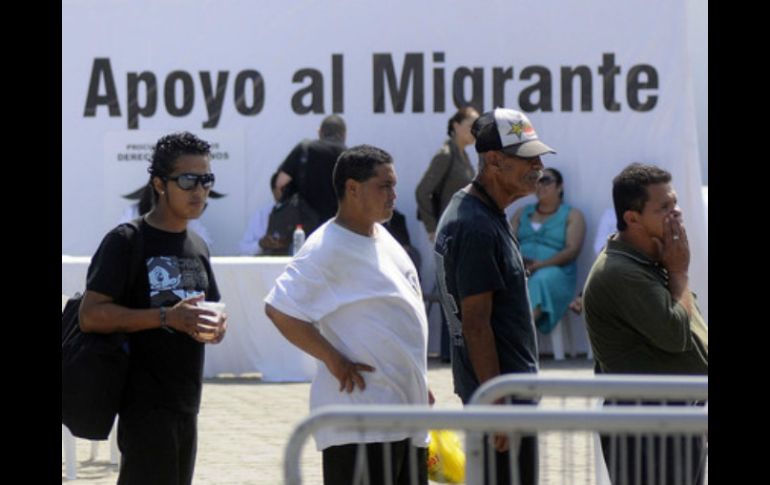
[173, 279]
[414, 281]
[448, 302]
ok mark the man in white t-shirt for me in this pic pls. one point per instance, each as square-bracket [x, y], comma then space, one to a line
[352, 299]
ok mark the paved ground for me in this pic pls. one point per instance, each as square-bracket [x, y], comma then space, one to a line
[244, 425]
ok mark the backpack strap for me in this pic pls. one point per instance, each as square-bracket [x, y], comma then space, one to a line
[70, 326]
[137, 257]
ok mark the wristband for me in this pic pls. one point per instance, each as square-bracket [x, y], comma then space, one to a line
[163, 323]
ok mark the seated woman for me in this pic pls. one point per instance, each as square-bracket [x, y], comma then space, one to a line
[550, 233]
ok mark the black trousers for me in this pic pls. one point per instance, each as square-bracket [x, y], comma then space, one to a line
[157, 446]
[660, 460]
[339, 463]
[446, 353]
[527, 463]
[668, 460]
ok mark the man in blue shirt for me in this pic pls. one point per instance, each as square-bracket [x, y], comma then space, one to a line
[481, 274]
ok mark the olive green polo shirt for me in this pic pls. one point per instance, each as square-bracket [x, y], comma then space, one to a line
[634, 324]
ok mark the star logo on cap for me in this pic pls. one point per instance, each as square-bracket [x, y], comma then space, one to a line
[517, 128]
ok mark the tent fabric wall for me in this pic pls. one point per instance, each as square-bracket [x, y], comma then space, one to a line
[256, 77]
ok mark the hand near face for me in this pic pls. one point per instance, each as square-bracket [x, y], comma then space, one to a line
[675, 248]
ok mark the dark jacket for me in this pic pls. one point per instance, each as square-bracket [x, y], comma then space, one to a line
[450, 164]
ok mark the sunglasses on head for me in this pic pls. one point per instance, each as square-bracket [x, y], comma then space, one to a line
[188, 181]
[545, 180]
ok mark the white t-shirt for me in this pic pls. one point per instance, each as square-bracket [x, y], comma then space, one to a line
[364, 295]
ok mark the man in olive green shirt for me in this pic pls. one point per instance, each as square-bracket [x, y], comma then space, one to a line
[640, 313]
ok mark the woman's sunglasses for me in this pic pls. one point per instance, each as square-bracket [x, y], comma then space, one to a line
[188, 181]
[545, 180]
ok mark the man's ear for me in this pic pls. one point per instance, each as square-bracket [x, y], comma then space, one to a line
[351, 188]
[493, 159]
[158, 185]
[631, 217]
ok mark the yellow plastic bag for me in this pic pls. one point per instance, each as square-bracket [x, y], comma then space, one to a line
[446, 459]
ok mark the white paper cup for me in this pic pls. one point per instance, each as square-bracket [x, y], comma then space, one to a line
[209, 332]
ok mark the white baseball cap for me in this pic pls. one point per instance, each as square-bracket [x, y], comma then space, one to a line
[510, 131]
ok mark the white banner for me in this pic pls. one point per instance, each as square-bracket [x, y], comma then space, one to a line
[604, 82]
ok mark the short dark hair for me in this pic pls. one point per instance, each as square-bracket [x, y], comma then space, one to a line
[358, 163]
[629, 189]
[169, 148]
[333, 127]
[461, 115]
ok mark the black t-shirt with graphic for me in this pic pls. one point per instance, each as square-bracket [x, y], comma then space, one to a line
[476, 253]
[317, 187]
[166, 367]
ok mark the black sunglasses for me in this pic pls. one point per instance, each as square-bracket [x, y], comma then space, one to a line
[545, 180]
[188, 181]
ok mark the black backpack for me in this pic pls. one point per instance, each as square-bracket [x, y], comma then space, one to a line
[291, 211]
[94, 366]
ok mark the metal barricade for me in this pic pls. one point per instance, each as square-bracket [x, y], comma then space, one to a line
[629, 389]
[514, 420]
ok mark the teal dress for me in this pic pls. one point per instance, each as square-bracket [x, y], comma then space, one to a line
[552, 287]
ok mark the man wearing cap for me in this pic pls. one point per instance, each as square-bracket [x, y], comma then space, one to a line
[481, 274]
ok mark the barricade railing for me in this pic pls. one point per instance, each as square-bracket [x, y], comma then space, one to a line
[513, 420]
[608, 386]
[629, 389]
